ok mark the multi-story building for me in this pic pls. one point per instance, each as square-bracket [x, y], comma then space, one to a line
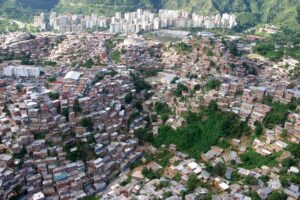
[135, 22]
[21, 71]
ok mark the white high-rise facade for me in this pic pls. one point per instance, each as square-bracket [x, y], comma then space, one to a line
[21, 71]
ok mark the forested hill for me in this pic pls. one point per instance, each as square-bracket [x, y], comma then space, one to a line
[107, 7]
[249, 12]
[24, 10]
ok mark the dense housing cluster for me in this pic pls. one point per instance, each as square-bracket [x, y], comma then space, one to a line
[163, 115]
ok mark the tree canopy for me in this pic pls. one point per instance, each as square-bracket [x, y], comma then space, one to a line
[203, 130]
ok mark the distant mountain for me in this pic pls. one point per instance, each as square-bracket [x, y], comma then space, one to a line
[250, 12]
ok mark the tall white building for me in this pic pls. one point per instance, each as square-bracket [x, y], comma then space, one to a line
[118, 15]
[39, 21]
[157, 23]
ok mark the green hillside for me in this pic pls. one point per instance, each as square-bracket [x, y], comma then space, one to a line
[25, 9]
[250, 12]
[104, 7]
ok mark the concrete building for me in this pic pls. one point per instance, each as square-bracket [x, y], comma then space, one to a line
[21, 71]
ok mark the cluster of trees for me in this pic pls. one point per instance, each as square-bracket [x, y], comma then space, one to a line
[208, 52]
[108, 8]
[26, 61]
[212, 84]
[287, 40]
[219, 169]
[6, 110]
[65, 112]
[286, 179]
[115, 56]
[163, 110]
[161, 107]
[249, 69]
[232, 47]
[100, 75]
[173, 81]
[50, 63]
[13, 9]
[191, 75]
[19, 87]
[192, 182]
[182, 47]
[54, 95]
[7, 26]
[247, 20]
[296, 72]
[278, 114]
[143, 135]
[91, 197]
[203, 130]
[294, 53]
[149, 73]
[196, 87]
[24, 58]
[139, 83]
[88, 64]
[37, 4]
[51, 79]
[179, 89]
[39, 136]
[163, 184]
[83, 151]
[258, 131]
[86, 122]
[148, 173]
[128, 98]
[277, 195]
[76, 106]
[268, 50]
[294, 149]
[109, 44]
[251, 159]
[127, 181]
[250, 180]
